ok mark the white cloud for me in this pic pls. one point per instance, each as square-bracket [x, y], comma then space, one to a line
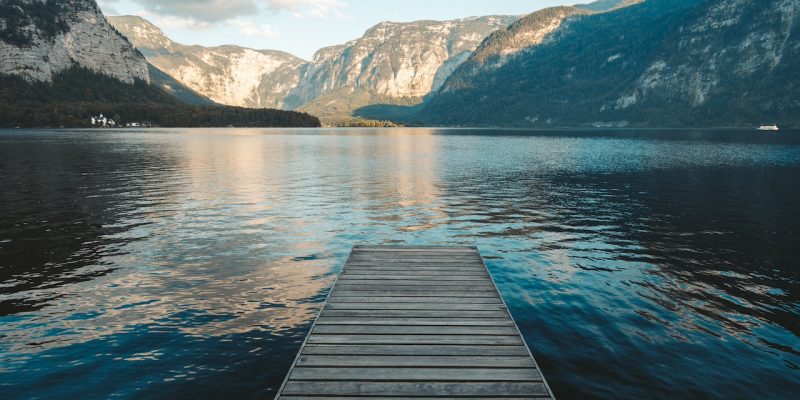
[248, 28]
[202, 11]
[202, 14]
[304, 8]
[107, 6]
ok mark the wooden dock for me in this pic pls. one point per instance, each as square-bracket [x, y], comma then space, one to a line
[414, 322]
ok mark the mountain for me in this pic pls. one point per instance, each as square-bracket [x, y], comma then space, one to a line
[229, 75]
[61, 62]
[607, 5]
[180, 91]
[39, 39]
[659, 63]
[76, 94]
[394, 63]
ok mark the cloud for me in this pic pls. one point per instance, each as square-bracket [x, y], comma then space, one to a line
[201, 14]
[304, 8]
[108, 6]
[248, 28]
[203, 11]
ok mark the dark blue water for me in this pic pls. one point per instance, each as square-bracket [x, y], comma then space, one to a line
[188, 264]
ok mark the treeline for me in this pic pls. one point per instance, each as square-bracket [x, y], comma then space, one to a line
[578, 77]
[76, 94]
[46, 16]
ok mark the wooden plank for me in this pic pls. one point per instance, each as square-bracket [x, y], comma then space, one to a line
[414, 313]
[409, 389]
[420, 374]
[399, 286]
[401, 277]
[415, 361]
[415, 339]
[395, 398]
[415, 306]
[415, 330]
[417, 271]
[412, 300]
[415, 293]
[349, 281]
[414, 322]
[412, 249]
[414, 350]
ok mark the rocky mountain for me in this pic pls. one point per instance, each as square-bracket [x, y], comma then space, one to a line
[61, 62]
[39, 39]
[393, 63]
[229, 75]
[658, 63]
[607, 5]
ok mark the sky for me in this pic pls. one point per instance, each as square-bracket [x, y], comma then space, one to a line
[300, 27]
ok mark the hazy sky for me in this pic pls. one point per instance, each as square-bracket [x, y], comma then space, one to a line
[300, 27]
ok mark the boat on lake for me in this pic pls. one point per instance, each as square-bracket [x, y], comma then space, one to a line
[768, 128]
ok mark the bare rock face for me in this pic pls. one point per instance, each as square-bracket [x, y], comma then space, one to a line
[730, 40]
[228, 75]
[39, 39]
[392, 62]
[495, 51]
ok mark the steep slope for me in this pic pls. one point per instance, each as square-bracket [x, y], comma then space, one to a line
[61, 62]
[501, 45]
[229, 75]
[607, 5]
[393, 63]
[659, 63]
[39, 39]
[76, 94]
[180, 91]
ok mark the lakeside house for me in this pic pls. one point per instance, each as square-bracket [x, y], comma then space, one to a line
[102, 120]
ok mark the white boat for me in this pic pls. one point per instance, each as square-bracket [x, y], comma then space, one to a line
[768, 128]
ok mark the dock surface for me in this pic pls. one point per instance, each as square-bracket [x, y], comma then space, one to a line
[414, 322]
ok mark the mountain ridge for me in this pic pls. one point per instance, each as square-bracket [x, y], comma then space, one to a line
[661, 63]
[403, 62]
[227, 74]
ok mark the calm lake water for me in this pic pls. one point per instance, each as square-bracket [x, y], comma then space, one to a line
[189, 264]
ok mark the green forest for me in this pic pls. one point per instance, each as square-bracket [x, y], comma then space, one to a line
[576, 77]
[76, 94]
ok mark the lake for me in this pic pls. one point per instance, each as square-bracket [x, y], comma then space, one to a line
[189, 264]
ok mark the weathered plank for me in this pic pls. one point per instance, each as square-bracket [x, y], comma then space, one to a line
[415, 361]
[433, 305]
[415, 374]
[414, 350]
[414, 339]
[414, 313]
[421, 322]
[456, 321]
[415, 330]
[411, 389]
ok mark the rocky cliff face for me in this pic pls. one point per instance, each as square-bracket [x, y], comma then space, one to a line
[229, 75]
[40, 39]
[730, 41]
[658, 63]
[503, 44]
[394, 63]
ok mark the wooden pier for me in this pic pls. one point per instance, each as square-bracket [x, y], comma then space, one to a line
[414, 322]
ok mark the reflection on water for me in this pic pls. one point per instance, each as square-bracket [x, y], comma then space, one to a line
[189, 264]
